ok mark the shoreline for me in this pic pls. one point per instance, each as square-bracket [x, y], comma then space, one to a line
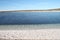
[30, 27]
[30, 11]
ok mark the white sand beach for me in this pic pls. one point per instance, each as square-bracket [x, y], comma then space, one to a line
[41, 34]
[30, 32]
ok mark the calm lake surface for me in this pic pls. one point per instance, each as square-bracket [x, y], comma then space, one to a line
[29, 20]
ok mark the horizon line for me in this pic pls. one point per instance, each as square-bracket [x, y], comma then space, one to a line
[29, 9]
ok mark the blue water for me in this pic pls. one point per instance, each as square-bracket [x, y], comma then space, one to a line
[29, 18]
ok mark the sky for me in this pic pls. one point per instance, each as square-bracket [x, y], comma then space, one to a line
[28, 4]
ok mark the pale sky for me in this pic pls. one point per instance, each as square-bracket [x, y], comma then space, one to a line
[28, 4]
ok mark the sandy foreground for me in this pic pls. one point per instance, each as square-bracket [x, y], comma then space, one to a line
[41, 34]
